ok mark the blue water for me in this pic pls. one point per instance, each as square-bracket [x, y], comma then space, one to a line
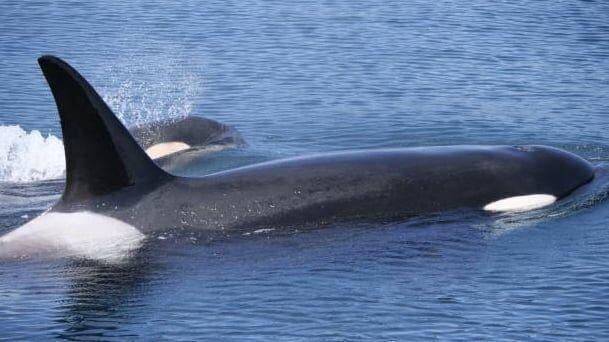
[307, 77]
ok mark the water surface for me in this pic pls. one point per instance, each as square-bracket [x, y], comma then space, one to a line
[309, 77]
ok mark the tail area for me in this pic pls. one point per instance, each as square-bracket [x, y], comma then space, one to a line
[101, 154]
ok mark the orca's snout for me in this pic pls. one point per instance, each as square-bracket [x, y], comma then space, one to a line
[564, 170]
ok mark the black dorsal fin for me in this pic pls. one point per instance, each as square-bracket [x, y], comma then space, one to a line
[101, 155]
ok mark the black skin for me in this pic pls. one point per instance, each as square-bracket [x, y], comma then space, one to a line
[192, 130]
[201, 134]
[108, 173]
[366, 185]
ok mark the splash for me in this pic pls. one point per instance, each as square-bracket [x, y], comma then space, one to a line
[142, 90]
[29, 156]
[139, 90]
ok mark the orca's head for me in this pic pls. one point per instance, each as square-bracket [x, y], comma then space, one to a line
[562, 171]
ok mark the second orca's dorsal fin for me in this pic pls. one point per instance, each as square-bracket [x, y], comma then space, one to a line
[101, 154]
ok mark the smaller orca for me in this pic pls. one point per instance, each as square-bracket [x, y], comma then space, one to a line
[166, 137]
[115, 194]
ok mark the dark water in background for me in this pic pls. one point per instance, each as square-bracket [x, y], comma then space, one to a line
[299, 78]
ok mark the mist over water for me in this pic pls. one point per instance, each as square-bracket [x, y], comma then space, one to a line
[308, 78]
[142, 90]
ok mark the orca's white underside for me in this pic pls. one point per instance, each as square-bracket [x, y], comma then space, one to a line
[82, 235]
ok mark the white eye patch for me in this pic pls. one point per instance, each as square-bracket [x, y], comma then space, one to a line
[165, 149]
[521, 203]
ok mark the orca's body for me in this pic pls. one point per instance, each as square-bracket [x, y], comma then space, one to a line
[382, 184]
[108, 175]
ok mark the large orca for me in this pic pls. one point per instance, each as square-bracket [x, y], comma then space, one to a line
[115, 194]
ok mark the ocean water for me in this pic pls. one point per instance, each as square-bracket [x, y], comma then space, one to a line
[307, 77]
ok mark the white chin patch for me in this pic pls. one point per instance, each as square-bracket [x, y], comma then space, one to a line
[521, 203]
[165, 149]
[82, 234]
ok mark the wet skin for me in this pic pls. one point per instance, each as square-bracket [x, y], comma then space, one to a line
[108, 172]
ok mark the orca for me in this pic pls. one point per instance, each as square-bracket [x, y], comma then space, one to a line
[164, 138]
[114, 191]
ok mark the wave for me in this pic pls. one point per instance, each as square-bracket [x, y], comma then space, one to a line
[29, 156]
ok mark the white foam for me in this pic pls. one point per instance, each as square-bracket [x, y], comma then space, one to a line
[82, 234]
[259, 231]
[27, 157]
[521, 203]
